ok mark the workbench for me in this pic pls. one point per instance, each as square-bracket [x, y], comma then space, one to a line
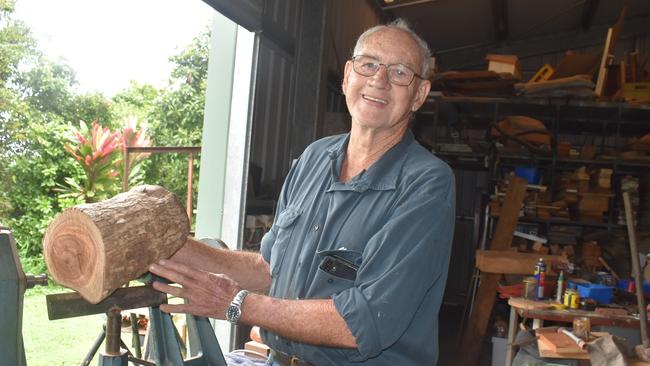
[541, 310]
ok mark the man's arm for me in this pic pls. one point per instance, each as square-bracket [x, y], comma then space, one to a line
[248, 269]
[314, 321]
[209, 294]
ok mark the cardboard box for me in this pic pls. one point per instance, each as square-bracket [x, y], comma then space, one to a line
[257, 347]
[504, 64]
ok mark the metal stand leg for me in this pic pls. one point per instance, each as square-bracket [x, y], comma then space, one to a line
[165, 337]
[93, 349]
[135, 338]
[113, 355]
[512, 332]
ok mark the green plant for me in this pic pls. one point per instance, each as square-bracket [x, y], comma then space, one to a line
[100, 152]
[96, 149]
[132, 136]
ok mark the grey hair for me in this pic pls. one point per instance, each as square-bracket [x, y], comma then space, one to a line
[402, 24]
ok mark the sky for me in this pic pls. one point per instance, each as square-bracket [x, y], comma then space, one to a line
[110, 42]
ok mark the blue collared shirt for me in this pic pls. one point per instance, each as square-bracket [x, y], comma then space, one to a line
[394, 221]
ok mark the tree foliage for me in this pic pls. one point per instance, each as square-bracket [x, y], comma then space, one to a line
[177, 118]
[39, 103]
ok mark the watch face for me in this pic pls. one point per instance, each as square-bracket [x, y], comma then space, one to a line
[233, 313]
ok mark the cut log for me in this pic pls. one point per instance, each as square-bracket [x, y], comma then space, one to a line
[96, 248]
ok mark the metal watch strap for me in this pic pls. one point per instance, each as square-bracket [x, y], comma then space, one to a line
[239, 298]
[237, 302]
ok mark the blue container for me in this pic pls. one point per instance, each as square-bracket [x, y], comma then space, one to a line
[601, 293]
[622, 285]
[529, 174]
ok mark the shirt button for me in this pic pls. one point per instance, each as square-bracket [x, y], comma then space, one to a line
[329, 280]
[316, 227]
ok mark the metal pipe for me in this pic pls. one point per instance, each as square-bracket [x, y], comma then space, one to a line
[93, 349]
[634, 252]
[416, 2]
[113, 329]
[581, 343]
[190, 172]
[135, 335]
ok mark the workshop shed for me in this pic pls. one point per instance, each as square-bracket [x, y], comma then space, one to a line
[555, 92]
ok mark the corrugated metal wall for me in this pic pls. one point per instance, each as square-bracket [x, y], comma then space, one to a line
[346, 20]
[273, 104]
[271, 142]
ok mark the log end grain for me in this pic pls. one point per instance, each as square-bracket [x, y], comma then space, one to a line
[74, 253]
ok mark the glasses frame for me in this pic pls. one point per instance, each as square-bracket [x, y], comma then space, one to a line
[387, 66]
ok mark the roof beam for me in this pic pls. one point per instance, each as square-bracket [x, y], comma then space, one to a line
[588, 13]
[500, 18]
[384, 14]
[471, 57]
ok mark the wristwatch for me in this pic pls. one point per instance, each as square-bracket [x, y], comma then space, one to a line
[233, 312]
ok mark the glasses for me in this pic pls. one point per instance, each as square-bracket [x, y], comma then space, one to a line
[398, 74]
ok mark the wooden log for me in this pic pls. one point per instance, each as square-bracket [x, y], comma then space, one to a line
[96, 248]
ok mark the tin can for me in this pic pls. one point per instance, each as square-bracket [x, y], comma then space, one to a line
[540, 277]
[567, 297]
[582, 327]
[530, 288]
[575, 300]
[571, 299]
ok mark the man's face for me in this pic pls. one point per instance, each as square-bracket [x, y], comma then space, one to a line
[373, 101]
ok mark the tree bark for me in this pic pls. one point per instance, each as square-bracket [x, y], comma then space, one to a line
[96, 248]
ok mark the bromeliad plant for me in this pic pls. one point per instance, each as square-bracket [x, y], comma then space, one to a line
[132, 136]
[100, 152]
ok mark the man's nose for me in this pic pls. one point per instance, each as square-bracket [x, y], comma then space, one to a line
[380, 79]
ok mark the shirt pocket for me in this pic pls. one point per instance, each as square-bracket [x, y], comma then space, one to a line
[285, 224]
[327, 283]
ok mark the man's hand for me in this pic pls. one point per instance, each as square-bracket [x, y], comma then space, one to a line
[206, 294]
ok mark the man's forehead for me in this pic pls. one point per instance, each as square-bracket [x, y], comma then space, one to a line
[392, 46]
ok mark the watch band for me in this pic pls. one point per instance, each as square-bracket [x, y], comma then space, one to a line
[233, 312]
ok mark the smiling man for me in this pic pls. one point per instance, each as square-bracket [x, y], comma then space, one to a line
[354, 268]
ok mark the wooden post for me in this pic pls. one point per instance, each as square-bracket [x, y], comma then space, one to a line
[96, 248]
[477, 325]
[190, 172]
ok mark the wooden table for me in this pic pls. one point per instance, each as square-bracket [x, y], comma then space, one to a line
[542, 310]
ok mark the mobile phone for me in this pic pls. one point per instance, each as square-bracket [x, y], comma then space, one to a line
[339, 267]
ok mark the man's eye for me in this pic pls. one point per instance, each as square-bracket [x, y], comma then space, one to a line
[370, 65]
[401, 72]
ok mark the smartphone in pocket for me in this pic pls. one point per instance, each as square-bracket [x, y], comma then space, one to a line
[339, 267]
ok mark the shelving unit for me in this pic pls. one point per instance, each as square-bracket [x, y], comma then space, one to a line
[466, 121]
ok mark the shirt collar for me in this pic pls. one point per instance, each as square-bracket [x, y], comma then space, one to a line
[382, 175]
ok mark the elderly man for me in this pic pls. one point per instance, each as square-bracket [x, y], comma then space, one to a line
[354, 268]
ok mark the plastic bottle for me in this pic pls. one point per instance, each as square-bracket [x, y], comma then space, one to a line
[560, 287]
[540, 276]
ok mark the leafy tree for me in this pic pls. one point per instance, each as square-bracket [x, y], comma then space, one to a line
[38, 104]
[177, 118]
[36, 99]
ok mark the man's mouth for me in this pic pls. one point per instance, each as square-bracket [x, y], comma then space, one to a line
[373, 99]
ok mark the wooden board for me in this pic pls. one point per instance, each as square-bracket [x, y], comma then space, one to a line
[492, 261]
[527, 304]
[477, 325]
[552, 344]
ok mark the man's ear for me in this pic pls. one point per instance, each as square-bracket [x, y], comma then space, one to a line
[421, 95]
[346, 74]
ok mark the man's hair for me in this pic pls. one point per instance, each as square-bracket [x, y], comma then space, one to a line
[399, 23]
